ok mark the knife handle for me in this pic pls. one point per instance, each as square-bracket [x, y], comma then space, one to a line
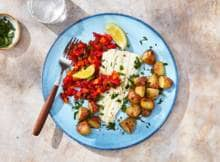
[44, 111]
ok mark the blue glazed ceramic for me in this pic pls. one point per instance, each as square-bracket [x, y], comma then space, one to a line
[102, 138]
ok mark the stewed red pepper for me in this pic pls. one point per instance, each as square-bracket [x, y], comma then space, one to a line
[83, 55]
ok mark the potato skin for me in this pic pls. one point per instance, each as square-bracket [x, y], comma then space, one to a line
[159, 68]
[83, 113]
[83, 128]
[140, 90]
[133, 111]
[147, 103]
[94, 122]
[145, 112]
[165, 82]
[149, 57]
[153, 81]
[152, 93]
[140, 81]
[128, 125]
[133, 97]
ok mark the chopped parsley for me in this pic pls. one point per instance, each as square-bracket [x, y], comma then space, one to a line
[128, 45]
[160, 101]
[75, 113]
[165, 64]
[142, 73]
[127, 86]
[114, 95]
[121, 67]
[137, 63]
[124, 105]
[101, 114]
[144, 38]
[100, 106]
[121, 73]
[111, 126]
[77, 104]
[118, 100]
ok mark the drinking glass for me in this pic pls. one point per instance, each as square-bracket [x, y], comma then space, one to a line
[47, 11]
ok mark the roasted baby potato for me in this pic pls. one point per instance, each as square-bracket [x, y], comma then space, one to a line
[133, 111]
[140, 90]
[83, 128]
[153, 81]
[159, 68]
[145, 112]
[165, 82]
[128, 125]
[147, 103]
[83, 113]
[149, 57]
[133, 97]
[94, 122]
[152, 93]
[140, 81]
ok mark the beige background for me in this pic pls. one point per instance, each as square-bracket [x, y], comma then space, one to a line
[192, 132]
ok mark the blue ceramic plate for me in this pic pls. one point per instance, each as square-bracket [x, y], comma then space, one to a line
[136, 29]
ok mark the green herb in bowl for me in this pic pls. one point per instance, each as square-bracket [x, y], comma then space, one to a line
[9, 31]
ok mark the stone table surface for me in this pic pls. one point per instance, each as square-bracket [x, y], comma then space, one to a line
[191, 133]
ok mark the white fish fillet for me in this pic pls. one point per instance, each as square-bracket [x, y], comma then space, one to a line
[113, 60]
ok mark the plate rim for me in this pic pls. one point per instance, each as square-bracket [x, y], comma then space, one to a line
[172, 57]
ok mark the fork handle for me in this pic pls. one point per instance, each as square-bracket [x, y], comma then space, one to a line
[44, 111]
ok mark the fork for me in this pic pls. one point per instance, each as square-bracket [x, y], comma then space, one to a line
[64, 64]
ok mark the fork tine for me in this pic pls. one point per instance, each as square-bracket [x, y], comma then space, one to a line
[72, 41]
[68, 45]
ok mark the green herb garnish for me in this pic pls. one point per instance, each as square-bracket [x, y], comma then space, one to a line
[121, 67]
[118, 100]
[160, 101]
[137, 63]
[143, 39]
[7, 32]
[165, 64]
[121, 73]
[75, 113]
[77, 104]
[124, 105]
[114, 95]
[111, 126]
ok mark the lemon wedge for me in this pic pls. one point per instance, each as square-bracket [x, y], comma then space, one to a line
[85, 73]
[117, 34]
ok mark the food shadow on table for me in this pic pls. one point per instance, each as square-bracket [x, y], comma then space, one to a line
[73, 13]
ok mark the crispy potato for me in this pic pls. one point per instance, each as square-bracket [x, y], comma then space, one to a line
[128, 125]
[159, 68]
[83, 128]
[153, 81]
[140, 90]
[145, 112]
[133, 97]
[165, 82]
[83, 113]
[152, 93]
[140, 81]
[149, 57]
[133, 111]
[94, 122]
[147, 103]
